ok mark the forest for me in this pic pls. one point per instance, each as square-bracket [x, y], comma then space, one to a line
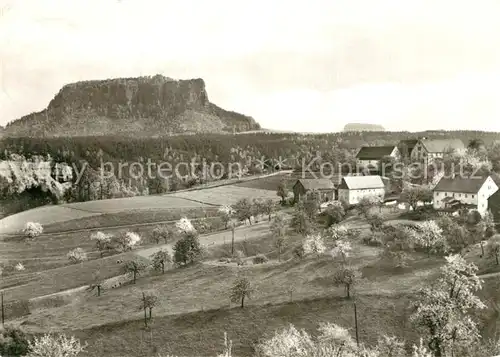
[90, 155]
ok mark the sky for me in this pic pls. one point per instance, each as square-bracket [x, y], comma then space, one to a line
[308, 66]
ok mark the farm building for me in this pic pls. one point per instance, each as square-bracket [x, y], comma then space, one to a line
[353, 188]
[370, 156]
[473, 193]
[321, 189]
[427, 150]
[406, 146]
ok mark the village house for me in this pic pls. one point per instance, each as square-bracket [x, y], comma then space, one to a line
[406, 146]
[353, 188]
[322, 190]
[370, 156]
[494, 200]
[427, 150]
[470, 193]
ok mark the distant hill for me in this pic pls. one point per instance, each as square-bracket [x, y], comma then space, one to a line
[144, 106]
[363, 127]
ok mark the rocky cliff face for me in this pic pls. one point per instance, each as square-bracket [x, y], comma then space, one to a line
[363, 127]
[147, 106]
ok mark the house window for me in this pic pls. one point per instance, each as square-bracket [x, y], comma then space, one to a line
[472, 196]
[459, 195]
[446, 194]
[465, 195]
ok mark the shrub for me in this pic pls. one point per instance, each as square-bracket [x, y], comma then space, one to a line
[77, 255]
[299, 252]
[239, 258]
[125, 242]
[473, 217]
[202, 226]
[160, 259]
[314, 244]
[102, 241]
[187, 250]
[375, 239]
[51, 346]
[376, 222]
[160, 233]
[260, 259]
[13, 342]
[33, 229]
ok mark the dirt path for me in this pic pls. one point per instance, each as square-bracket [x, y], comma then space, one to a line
[241, 233]
[490, 275]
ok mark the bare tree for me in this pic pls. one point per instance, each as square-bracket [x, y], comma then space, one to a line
[96, 283]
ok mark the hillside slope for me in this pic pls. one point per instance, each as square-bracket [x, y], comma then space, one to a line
[363, 127]
[144, 106]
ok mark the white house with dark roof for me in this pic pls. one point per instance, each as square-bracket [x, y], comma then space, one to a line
[321, 189]
[353, 188]
[466, 192]
[429, 149]
[370, 156]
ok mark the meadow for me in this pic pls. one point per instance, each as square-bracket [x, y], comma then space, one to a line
[130, 210]
[194, 309]
[224, 195]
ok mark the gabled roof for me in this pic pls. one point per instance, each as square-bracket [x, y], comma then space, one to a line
[317, 184]
[410, 144]
[374, 152]
[461, 185]
[362, 182]
[441, 145]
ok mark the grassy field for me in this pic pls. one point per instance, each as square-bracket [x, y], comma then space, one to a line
[69, 212]
[130, 208]
[194, 308]
[201, 333]
[45, 258]
[132, 217]
[207, 286]
[63, 278]
[269, 183]
[198, 296]
[225, 194]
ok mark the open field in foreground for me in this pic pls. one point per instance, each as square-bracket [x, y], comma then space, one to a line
[194, 308]
[47, 265]
[206, 287]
